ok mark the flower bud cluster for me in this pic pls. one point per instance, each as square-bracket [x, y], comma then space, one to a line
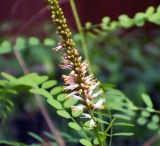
[78, 82]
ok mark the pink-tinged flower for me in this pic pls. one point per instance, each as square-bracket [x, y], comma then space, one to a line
[92, 124]
[92, 87]
[77, 108]
[68, 79]
[84, 66]
[70, 87]
[71, 94]
[66, 63]
[58, 47]
[96, 94]
[76, 97]
[99, 105]
[88, 79]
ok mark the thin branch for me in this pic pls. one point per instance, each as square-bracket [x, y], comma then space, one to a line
[151, 140]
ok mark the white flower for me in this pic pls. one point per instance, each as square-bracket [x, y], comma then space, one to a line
[99, 105]
[92, 124]
[76, 97]
[77, 108]
[58, 47]
[70, 87]
[96, 94]
[88, 101]
[86, 115]
[92, 87]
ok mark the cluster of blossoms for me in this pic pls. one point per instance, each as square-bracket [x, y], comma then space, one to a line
[80, 85]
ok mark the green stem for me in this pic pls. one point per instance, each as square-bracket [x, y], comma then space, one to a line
[96, 128]
[79, 26]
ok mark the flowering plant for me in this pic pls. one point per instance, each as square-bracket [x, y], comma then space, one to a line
[80, 84]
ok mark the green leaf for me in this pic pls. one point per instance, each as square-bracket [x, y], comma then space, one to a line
[88, 25]
[152, 126]
[123, 124]
[147, 100]
[8, 76]
[5, 47]
[49, 42]
[120, 116]
[150, 10]
[106, 20]
[64, 114]
[56, 104]
[158, 9]
[155, 118]
[11, 143]
[114, 25]
[142, 121]
[74, 126]
[139, 18]
[49, 84]
[49, 135]
[70, 102]
[123, 134]
[33, 41]
[56, 90]
[76, 114]
[145, 114]
[35, 136]
[26, 82]
[41, 92]
[155, 18]
[95, 141]
[35, 77]
[20, 44]
[102, 121]
[61, 97]
[3, 83]
[85, 142]
[125, 21]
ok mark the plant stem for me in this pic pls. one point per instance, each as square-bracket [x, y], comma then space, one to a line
[96, 128]
[79, 26]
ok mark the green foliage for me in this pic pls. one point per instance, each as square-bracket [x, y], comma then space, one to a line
[124, 21]
[121, 112]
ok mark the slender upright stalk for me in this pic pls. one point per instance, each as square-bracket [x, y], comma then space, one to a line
[79, 26]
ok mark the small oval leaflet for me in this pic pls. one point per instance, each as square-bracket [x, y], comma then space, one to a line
[49, 84]
[85, 142]
[95, 141]
[142, 121]
[61, 97]
[76, 114]
[49, 42]
[64, 114]
[74, 126]
[147, 100]
[155, 118]
[56, 90]
[69, 102]
[56, 104]
[152, 126]
[41, 92]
